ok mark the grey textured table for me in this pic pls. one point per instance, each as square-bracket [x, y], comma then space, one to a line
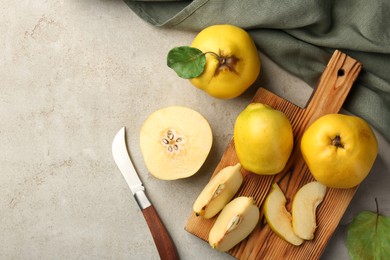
[74, 72]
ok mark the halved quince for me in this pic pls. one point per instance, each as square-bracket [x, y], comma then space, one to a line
[218, 192]
[304, 206]
[235, 222]
[277, 216]
[175, 142]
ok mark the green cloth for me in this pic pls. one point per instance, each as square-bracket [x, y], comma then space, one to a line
[300, 36]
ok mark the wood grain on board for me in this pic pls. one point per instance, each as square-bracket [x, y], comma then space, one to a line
[333, 87]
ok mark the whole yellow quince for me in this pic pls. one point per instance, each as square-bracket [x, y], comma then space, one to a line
[263, 139]
[232, 61]
[339, 150]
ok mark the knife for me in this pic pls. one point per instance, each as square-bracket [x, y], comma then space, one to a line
[165, 246]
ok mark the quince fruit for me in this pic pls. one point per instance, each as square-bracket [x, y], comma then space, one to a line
[263, 139]
[339, 150]
[232, 61]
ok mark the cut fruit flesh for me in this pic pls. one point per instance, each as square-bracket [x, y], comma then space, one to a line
[277, 216]
[218, 192]
[175, 142]
[304, 206]
[235, 222]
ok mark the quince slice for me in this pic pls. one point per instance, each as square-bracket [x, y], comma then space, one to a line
[218, 192]
[235, 222]
[175, 142]
[304, 206]
[277, 216]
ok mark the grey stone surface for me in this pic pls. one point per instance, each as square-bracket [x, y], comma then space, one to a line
[72, 73]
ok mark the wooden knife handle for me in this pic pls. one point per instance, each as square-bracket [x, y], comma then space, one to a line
[165, 246]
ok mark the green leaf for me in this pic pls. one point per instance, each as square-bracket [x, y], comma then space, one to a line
[368, 237]
[186, 61]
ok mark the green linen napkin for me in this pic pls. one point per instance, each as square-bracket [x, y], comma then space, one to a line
[300, 36]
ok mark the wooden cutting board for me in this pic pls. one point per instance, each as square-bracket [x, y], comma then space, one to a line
[330, 94]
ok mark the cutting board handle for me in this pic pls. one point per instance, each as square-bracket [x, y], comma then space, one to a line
[333, 86]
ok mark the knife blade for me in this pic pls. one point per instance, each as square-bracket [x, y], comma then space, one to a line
[161, 237]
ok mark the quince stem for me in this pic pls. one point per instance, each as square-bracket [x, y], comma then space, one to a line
[337, 142]
[224, 62]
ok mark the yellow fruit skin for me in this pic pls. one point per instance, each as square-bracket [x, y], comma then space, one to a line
[335, 167]
[227, 41]
[263, 139]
